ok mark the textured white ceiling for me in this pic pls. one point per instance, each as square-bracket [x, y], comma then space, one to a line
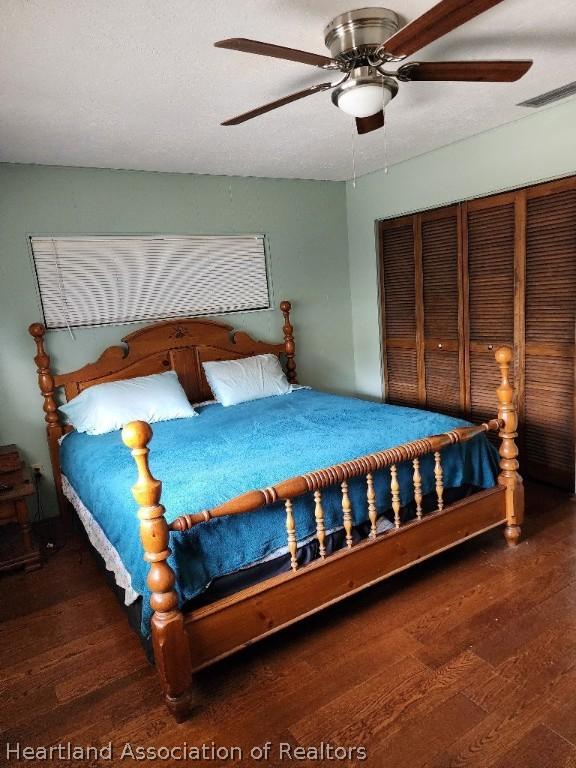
[137, 84]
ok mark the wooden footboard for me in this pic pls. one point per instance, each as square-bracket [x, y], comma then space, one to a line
[219, 629]
[184, 643]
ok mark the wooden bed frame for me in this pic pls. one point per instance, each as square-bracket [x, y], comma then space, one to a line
[185, 642]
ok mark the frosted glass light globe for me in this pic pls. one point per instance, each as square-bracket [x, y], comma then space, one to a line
[364, 100]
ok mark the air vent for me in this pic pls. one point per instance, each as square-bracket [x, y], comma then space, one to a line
[550, 96]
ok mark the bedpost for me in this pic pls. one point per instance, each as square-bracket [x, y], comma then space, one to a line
[509, 476]
[289, 345]
[54, 428]
[169, 639]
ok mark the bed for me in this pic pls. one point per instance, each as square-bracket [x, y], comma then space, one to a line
[273, 509]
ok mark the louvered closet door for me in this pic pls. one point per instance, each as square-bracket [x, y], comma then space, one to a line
[397, 267]
[549, 336]
[443, 347]
[489, 239]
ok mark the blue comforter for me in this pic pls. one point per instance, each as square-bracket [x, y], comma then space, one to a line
[223, 452]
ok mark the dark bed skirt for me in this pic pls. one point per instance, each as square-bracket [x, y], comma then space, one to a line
[224, 586]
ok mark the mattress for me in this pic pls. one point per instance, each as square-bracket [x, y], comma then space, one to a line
[205, 461]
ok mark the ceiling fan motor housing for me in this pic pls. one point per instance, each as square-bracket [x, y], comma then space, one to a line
[358, 33]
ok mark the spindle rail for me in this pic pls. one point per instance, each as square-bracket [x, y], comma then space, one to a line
[339, 474]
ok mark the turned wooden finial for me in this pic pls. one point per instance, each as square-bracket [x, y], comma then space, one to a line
[289, 345]
[136, 435]
[168, 634]
[508, 451]
[36, 330]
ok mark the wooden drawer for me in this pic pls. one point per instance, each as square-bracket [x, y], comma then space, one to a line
[8, 511]
[13, 477]
[10, 460]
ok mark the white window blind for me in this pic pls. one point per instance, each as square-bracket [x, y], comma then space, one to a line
[105, 280]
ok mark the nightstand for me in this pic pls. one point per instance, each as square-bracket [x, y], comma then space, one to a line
[16, 551]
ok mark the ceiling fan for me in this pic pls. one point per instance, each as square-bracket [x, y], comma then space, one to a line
[364, 43]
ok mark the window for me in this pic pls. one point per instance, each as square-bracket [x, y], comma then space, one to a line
[104, 280]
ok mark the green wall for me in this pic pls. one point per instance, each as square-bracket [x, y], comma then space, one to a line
[541, 146]
[306, 226]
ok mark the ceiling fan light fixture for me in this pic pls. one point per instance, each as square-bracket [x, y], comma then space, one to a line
[364, 100]
[364, 93]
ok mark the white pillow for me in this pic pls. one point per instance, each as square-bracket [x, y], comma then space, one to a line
[106, 407]
[249, 378]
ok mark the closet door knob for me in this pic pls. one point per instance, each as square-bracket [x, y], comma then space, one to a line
[439, 346]
[490, 347]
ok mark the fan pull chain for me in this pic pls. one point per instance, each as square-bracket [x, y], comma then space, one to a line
[353, 154]
[385, 136]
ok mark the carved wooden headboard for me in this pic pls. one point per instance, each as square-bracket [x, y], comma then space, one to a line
[177, 345]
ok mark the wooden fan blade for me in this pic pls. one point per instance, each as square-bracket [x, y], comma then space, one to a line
[371, 123]
[276, 51]
[438, 21]
[477, 71]
[278, 103]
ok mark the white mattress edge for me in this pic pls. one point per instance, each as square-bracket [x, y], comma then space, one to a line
[101, 543]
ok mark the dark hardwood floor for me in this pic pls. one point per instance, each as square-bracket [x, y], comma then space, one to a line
[466, 660]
